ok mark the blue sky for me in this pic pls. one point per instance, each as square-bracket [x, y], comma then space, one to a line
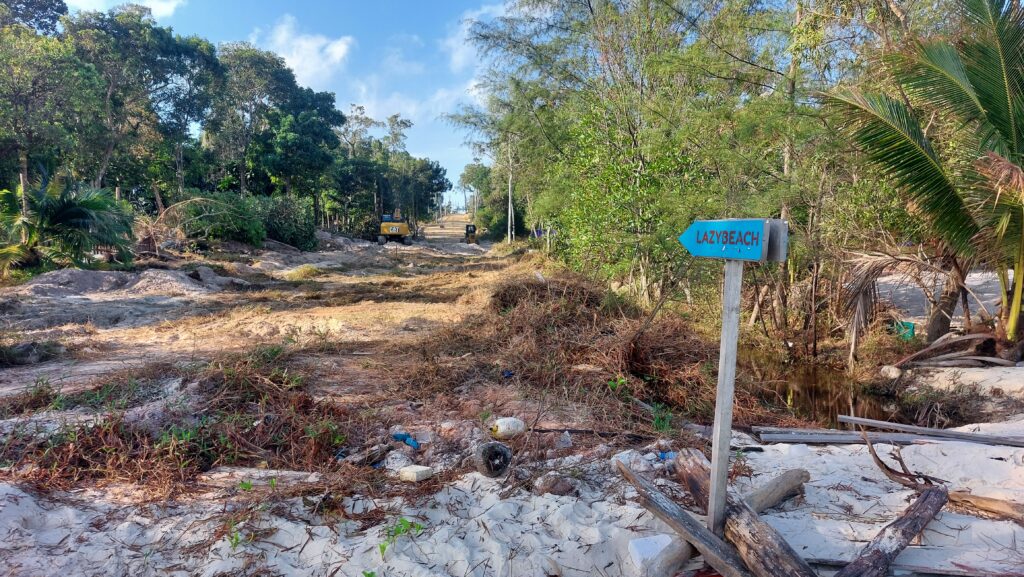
[391, 56]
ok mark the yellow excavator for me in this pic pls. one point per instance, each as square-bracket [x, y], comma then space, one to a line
[393, 229]
[470, 236]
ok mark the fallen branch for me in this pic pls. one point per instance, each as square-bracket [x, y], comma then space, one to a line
[717, 553]
[874, 560]
[984, 506]
[940, 344]
[760, 546]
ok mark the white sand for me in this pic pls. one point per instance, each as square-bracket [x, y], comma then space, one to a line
[469, 530]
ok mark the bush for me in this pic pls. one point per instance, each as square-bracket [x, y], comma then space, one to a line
[289, 220]
[222, 216]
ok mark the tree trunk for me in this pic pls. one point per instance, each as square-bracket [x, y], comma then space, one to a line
[117, 192]
[942, 314]
[760, 546]
[316, 207]
[242, 183]
[108, 153]
[1013, 322]
[23, 180]
[179, 170]
[159, 199]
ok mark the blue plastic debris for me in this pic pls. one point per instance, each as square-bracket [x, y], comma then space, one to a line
[667, 455]
[407, 439]
[341, 454]
[507, 374]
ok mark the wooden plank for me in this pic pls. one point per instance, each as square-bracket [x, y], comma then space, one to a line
[765, 552]
[876, 557]
[974, 437]
[721, 556]
[846, 438]
[722, 433]
[923, 569]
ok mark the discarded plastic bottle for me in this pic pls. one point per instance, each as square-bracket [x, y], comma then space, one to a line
[507, 428]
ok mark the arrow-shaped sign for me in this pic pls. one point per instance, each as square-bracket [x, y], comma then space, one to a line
[733, 239]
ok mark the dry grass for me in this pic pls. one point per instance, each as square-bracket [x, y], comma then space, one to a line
[582, 346]
[255, 413]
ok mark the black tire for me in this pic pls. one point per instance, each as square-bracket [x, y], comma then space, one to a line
[382, 240]
[492, 459]
[406, 241]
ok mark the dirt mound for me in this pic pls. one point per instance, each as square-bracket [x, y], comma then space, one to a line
[73, 282]
[167, 282]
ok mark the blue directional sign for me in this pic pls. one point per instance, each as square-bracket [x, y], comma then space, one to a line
[733, 239]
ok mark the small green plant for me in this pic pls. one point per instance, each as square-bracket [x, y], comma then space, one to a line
[369, 574]
[401, 527]
[485, 415]
[618, 384]
[245, 485]
[273, 483]
[662, 421]
[234, 539]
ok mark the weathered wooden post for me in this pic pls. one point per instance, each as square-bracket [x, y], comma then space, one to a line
[736, 241]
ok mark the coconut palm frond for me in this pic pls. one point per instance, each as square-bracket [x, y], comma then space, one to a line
[892, 138]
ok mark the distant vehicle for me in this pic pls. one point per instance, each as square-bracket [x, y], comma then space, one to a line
[392, 229]
[470, 237]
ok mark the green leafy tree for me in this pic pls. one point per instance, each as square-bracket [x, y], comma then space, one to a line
[40, 15]
[971, 195]
[257, 82]
[43, 88]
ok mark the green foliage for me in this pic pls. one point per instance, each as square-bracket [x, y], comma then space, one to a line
[223, 216]
[401, 527]
[288, 220]
[64, 226]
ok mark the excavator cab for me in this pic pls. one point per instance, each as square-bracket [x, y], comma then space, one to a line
[470, 237]
[392, 229]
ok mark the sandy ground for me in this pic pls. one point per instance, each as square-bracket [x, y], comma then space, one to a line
[361, 294]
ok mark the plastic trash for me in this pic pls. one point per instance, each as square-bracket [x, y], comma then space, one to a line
[507, 428]
[407, 439]
[507, 374]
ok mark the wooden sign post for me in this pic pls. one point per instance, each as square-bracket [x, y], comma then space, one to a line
[736, 241]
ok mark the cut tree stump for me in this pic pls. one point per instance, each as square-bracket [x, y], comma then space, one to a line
[760, 546]
[721, 556]
[875, 558]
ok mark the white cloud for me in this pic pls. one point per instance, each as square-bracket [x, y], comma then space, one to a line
[160, 8]
[395, 61]
[315, 58]
[461, 52]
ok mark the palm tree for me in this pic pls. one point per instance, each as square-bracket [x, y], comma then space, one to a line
[64, 226]
[972, 196]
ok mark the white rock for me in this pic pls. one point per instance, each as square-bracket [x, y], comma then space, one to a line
[890, 372]
[415, 473]
[644, 549]
[396, 461]
[564, 441]
[634, 460]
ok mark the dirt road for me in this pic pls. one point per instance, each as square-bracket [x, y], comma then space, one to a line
[221, 414]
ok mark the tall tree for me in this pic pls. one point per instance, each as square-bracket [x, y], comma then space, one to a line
[43, 85]
[40, 15]
[257, 82]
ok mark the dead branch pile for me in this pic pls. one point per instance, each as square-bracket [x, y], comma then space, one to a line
[972, 350]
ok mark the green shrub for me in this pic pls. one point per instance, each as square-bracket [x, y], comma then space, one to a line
[289, 220]
[223, 216]
[65, 226]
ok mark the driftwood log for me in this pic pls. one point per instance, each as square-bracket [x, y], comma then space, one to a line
[874, 560]
[721, 556]
[760, 546]
[985, 506]
[786, 485]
